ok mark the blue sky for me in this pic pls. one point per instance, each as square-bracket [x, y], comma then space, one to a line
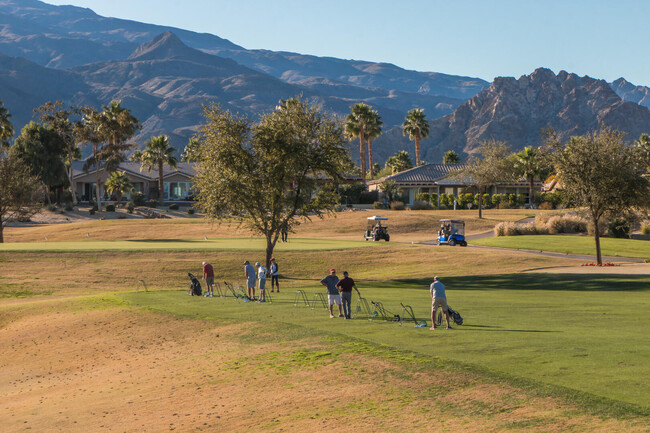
[602, 39]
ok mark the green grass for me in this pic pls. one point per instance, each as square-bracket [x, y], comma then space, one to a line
[586, 335]
[223, 244]
[571, 245]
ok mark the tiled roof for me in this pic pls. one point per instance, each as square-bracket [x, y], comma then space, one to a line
[423, 174]
[187, 168]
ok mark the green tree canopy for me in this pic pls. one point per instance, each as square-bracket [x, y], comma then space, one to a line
[416, 127]
[118, 184]
[158, 152]
[450, 157]
[531, 163]
[6, 128]
[272, 172]
[601, 173]
[399, 162]
[43, 150]
[358, 124]
[192, 151]
[19, 191]
[374, 131]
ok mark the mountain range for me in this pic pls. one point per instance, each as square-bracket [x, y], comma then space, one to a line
[165, 75]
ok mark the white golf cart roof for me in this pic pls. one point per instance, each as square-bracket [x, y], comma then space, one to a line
[453, 221]
[377, 218]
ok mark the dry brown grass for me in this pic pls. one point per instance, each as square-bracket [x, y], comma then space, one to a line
[120, 370]
[404, 226]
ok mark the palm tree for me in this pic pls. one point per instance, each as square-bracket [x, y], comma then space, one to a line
[450, 157]
[357, 125]
[118, 183]
[158, 152]
[6, 128]
[89, 130]
[417, 128]
[118, 125]
[374, 131]
[528, 164]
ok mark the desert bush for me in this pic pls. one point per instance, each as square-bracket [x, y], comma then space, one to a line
[92, 211]
[190, 211]
[509, 228]
[619, 228]
[465, 199]
[566, 224]
[423, 196]
[501, 229]
[51, 208]
[444, 199]
[645, 227]
[152, 203]
[130, 207]
[433, 198]
[173, 206]
[377, 205]
[368, 197]
[397, 205]
[110, 208]
[421, 205]
[545, 205]
[69, 207]
[138, 199]
[121, 217]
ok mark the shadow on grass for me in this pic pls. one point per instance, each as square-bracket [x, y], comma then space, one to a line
[166, 240]
[559, 282]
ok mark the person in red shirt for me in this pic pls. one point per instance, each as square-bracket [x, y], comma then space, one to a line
[208, 276]
[345, 288]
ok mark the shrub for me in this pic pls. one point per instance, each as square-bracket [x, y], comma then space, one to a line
[619, 228]
[446, 199]
[465, 199]
[442, 207]
[110, 208]
[121, 217]
[190, 211]
[423, 196]
[377, 205]
[138, 199]
[173, 206]
[496, 199]
[69, 207]
[368, 197]
[487, 201]
[545, 205]
[397, 205]
[421, 205]
[152, 203]
[433, 198]
[508, 228]
[92, 211]
[130, 207]
[645, 228]
[566, 224]
[51, 208]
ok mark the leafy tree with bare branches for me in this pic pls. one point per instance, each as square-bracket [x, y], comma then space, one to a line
[20, 191]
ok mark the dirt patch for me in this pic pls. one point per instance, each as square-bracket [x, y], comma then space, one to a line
[619, 269]
[119, 370]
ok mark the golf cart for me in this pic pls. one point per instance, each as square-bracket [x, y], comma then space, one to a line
[452, 232]
[375, 230]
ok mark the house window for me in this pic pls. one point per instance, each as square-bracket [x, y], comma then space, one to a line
[177, 190]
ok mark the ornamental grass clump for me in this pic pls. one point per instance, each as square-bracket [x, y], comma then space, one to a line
[566, 224]
[645, 227]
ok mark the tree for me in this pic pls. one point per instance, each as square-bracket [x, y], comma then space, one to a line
[399, 162]
[490, 165]
[450, 157]
[643, 144]
[374, 131]
[156, 154]
[530, 163]
[390, 189]
[107, 133]
[192, 151]
[357, 125]
[601, 173]
[416, 127]
[43, 150]
[273, 172]
[6, 128]
[55, 117]
[118, 184]
[19, 191]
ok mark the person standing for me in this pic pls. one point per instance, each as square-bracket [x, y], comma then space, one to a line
[333, 296]
[249, 273]
[261, 277]
[345, 288]
[438, 300]
[208, 276]
[284, 233]
[275, 274]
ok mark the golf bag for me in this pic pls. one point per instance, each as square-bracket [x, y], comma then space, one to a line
[195, 285]
[455, 316]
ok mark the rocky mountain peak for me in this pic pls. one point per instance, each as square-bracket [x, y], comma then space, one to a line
[164, 46]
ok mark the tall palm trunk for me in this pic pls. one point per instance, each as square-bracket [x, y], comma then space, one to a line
[362, 155]
[161, 192]
[98, 192]
[480, 203]
[417, 150]
[531, 193]
[599, 257]
[69, 172]
[372, 174]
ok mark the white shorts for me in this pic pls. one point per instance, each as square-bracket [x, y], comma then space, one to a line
[334, 299]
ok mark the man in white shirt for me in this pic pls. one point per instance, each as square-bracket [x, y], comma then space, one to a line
[261, 276]
[438, 300]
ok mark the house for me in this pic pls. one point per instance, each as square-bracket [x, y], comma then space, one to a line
[177, 182]
[438, 179]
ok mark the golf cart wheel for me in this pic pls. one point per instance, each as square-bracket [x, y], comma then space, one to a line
[463, 244]
[387, 238]
[452, 242]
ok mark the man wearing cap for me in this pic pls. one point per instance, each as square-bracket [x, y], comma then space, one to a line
[345, 287]
[332, 292]
[208, 276]
[275, 274]
[261, 276]
[249, 273]
[438, 300]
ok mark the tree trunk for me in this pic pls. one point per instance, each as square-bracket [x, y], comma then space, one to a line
[417, 150]
[74, 194]
[2, 228]
[98, 192]
[480, 204]
[599, 258]
[271, 239]
[161, 192]
[47, 194]
[531, 193]
[372, 174]
[362, 155]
